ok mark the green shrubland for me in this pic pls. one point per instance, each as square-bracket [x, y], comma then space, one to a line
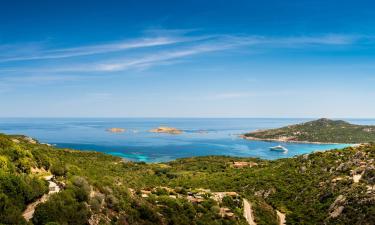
[109, 190]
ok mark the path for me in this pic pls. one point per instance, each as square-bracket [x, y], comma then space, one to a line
[248, 212]
[30, 209]
[281, 216]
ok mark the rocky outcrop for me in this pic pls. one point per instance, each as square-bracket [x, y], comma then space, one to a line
[168, 130]
[116, 130]
[337, 207]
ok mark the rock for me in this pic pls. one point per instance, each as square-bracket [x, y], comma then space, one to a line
[116, 130]
[336, 207]
[244, 164]
[370, 189]
[369, 175]
[334, 180]
[343, 167]
[16, 141]
[265, 193]
[357, 177]
[168, 130]
[30, 140]
[337, 212]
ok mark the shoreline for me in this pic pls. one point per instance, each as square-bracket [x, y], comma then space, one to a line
[298, 142]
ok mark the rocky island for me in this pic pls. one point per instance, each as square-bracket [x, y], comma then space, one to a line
[116, 130]
[317, 131]
[168, 130]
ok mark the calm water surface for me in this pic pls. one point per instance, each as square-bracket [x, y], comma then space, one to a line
[201, 136]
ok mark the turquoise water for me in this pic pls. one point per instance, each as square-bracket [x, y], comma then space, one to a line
[201, 137]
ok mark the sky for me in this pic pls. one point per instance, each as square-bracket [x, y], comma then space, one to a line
[240, 58]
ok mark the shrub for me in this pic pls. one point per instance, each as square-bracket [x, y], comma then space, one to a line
[4, 163]
[58, 169]
[62, 208]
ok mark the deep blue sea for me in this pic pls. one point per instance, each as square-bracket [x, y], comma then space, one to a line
[201, 136]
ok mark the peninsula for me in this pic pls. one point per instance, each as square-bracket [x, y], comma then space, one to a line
[317, 131]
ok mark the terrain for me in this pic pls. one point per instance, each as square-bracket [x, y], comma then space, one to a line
[317, 131]
[332, 187]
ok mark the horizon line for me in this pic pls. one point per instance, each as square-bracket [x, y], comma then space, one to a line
[163, 117]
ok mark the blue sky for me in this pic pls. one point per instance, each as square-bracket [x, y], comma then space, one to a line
[187, 58]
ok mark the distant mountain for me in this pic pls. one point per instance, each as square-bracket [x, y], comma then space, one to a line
[319, 131]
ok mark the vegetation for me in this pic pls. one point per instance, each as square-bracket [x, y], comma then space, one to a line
[319, 188]
[322, 130]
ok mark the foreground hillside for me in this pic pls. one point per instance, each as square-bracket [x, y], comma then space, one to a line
[333, 187]
[321, 131]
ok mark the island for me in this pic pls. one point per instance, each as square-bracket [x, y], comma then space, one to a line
[319, 131]
[116, 130]
[168, 130]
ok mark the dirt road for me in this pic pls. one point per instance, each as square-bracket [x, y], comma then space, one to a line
[248, 212]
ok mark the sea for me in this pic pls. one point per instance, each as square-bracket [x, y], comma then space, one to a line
[200, 137]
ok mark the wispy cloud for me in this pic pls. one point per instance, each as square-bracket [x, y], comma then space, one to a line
[329, 39]
[299, 41]
[145, 60]
[37, 79]
[171, 48]
[153, 59]
[40, 54]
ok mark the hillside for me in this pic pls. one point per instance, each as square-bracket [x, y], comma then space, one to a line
[319, 131]
[333, 187]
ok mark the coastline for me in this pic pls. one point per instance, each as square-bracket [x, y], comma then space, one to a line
[299, 142]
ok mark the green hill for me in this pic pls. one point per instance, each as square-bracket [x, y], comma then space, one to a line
[333, 187]
[322, 131]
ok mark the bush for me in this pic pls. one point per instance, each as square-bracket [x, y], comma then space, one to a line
[24, 165]
[52, 223]
[148, 214]
[5, 142]
[58, 169]
[9, 213]
[42, 160]
[4, 163]
[161, 191]
[62, 208]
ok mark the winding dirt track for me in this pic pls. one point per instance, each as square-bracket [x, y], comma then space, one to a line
[30, 209]
[281, 217]
[248, 212]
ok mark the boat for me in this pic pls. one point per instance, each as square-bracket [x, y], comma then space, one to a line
[279, 148]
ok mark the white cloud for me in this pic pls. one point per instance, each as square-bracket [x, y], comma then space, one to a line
[37, 79]
[39, 54]
[287, 42]
[35, 51]
[147, 60]
[166, 54]
[330, 39]
[150, 60]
